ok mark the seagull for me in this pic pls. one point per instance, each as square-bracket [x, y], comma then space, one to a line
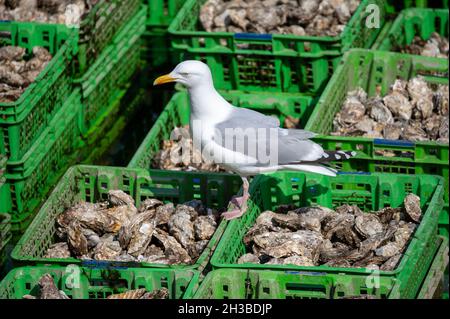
[244, 141]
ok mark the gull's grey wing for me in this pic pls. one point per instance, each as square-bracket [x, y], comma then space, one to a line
[292, 146]
[243, 118]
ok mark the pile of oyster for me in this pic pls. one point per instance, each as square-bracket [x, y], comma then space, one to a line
[16, 73]
[46, 11]
[178, 154]
[344, 237]
[48, 290]
[436, 46]
[298, 17]
[413, 110]
[116, 230]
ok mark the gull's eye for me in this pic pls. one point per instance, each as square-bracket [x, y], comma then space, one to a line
[183, 73]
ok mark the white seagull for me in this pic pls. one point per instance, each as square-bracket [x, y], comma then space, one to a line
[242, 140]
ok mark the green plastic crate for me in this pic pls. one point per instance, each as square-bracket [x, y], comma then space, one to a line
[5, 198]
[32, 177]
[162, 12]
[109, 76]
[91, 183]
[367, 191]
[369, 70]
[23, 121]
[269, 62]
[410, 23]
[394, 6]
[177, 112]
[5, 230]
[98, 28]
[436, 273]
[269, 284]
[156, 50]
[88, 283]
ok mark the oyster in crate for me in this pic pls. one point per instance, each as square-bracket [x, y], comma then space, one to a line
[343, 237]
[48, 289]
[58, 250]
[116, 230]
[412, 110]
[306, 17]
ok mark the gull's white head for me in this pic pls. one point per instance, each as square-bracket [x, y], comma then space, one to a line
[190, 73]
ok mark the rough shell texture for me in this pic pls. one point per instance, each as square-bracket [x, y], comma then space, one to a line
[306, 17]
[344, 237]
[46, 11]
[16, 73]
[116, 230]
[413, 110]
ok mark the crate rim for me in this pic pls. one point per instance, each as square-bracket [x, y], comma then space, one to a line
[202, 261]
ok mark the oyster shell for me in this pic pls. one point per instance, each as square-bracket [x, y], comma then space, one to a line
[91, 230]
[345, 237]
[172, 248]
[107, 250]
[162, 293]
[48, 289]
[46, 11]
[412, 207]
[391, 263]
[130, 294]
[58, 250]
[248, 258]
[368, 225]
[323, 17]
[77, 242]
[412, 110]
[204, 227]
[181, 227]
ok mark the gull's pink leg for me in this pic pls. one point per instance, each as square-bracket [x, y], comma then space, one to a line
[237, 201]
[240, 201]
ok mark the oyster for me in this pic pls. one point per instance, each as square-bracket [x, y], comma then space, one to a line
[344, 237]
[130, 294]
[181, 227]
[46, 11]
[412, 207]
[16, 74]
[172, 248]
[116, 230]
[436, 46]
[162, 293]
[306, 17]
[48, 289]
[204, 227]
[368, 225]
[107, 250]
[412, 110]
[187, 157]
[77, 242]
[391, 263]
[137, 233]
[248, 258]
[58, 250]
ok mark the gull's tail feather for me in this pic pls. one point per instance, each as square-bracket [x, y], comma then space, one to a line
[319, 169]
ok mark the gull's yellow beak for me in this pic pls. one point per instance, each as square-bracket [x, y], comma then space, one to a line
[164, 79]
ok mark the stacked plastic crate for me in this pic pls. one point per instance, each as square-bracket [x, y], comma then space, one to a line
[290, 64]
[71, 104]
[281, 75]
